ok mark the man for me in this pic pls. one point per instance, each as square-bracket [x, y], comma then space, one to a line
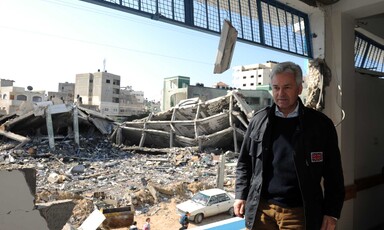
[184, 221]
[287, 151]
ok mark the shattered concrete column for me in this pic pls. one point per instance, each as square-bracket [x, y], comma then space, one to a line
[197, 135]
[221, 172]
[76, 125]
[48, 118]
[232, 124]
[171, 132]
[143, 134]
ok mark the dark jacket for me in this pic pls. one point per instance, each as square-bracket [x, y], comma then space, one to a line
[316, 157]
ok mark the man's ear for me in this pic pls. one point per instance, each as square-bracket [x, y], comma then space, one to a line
[300, 89]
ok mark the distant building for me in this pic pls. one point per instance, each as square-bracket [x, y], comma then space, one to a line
[252, 76]
[65, 93]
[99, 91]
[177, 89]
[173, 91]
[13, 97]
[131, 102]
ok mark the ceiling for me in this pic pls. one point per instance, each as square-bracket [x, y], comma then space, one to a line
[373, 24]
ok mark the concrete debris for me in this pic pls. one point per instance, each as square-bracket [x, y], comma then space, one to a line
[53, 120]
[219, 122]
[56, 213]
[18, 209]
[88, 165]
[99, 173]
[319, 76]
[93, 221]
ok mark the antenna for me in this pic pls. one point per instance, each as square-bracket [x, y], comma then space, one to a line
[104, 63]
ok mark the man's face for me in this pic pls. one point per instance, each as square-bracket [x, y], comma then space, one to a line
[285, 91]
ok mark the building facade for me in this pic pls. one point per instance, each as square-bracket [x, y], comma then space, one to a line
[65, 93]
[131, 102]
[12, 97]
[99, 91]
[252, 76]
[174, 91]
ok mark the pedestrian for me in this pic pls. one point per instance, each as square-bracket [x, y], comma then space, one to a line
[184, 221]
[287, 151]
[133, 226]
[147, 225]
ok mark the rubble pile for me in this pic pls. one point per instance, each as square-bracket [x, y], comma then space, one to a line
[89, 159]
[99, 173]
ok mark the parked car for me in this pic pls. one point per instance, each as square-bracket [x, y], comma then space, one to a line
[207, 203]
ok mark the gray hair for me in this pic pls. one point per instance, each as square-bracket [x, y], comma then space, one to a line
[288, 67]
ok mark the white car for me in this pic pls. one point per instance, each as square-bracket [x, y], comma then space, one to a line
[207, 203]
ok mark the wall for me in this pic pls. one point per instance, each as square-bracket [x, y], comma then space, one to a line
[369, 147]
[360, 140]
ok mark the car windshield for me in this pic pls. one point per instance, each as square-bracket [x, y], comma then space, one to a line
[200, 198]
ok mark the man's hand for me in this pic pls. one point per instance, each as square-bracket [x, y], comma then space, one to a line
[329, 223]
[238, 207]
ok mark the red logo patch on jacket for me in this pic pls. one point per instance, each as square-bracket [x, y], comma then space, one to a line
[316, 157]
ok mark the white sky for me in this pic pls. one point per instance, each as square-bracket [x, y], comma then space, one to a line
[44, 42]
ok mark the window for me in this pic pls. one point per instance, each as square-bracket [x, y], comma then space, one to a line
[223, 197]
[244, 77]
[244, 84]
[369, 55]
[4, 96]
[108, 81]
[90, 80]
[266, 23]
[21, 97]
[252, 76]
[259, 75]
[37, 99]
[213, 200]
[252, 84]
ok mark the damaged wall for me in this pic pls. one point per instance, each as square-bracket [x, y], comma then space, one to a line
[17, 204]
[17, 197]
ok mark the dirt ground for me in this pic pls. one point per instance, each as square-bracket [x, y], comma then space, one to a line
[166, 218]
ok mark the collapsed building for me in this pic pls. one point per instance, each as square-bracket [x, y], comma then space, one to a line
[220, 123]
[78, 154]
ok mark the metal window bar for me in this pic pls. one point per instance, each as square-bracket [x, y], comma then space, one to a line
[369, 54]
[261, 22]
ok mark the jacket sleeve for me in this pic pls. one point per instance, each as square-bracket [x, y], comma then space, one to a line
[334, 191]
[244, 167]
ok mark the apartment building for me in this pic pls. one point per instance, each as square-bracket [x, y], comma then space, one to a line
[65, 93]
[99, 91]
[131, 102]
[252, 76]
[13, 97]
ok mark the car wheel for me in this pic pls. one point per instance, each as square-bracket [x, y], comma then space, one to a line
[199, 218]
[231, 212]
